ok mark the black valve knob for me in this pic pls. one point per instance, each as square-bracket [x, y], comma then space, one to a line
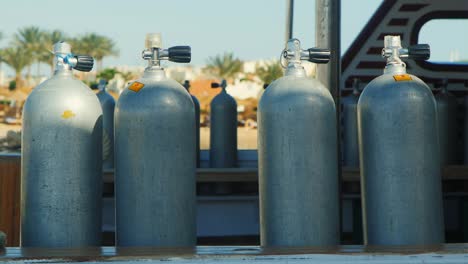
[356, 84]
[84, 63]
[320, 56]
[419, 52]
[181, 54]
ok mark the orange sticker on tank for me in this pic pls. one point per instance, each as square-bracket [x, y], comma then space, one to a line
[68, 114]
[402, 77]
[136, 86]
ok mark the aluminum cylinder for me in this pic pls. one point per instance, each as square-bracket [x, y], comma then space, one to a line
[197, 121]
[108, 106]
[223, 131]
[297, 148]
[61, 168]
[447, 126]
[399, 151]
[197, 128]
[155, 164]
[350, 135]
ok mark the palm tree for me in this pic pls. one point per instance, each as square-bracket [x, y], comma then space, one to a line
[31, 39]
[269, 72]
[49, 39]
[224, 66]
[1, 37]
[95, 45]
[17, 59]
[127, 76]
[107, 74]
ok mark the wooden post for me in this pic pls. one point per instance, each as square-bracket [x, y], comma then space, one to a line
[10, 177]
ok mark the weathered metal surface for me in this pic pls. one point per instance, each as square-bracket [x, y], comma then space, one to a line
[400, 164]
[350, 145]
[447, 126]
[108, 106]
[197, 121]
[155, 161]
[298, 182]
[223, 130]
[61, 184]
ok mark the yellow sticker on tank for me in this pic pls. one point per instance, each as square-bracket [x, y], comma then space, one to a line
[136, 86]
[402, 77]
[68, 114]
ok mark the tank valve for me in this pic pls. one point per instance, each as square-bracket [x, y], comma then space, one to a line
[293, 54]
[356, 84]
[186, 85]
[441, 85]
[102, 84]
[67, 60]
[394, 52]
[222, 84]
[154, 52]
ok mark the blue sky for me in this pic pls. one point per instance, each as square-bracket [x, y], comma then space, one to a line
[252, 29]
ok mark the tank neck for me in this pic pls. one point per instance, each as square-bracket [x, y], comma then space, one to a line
[355, 91]
[396, 68]
[295, 70]
[61, 68]
[157, 73]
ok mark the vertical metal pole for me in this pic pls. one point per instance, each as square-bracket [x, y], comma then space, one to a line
[289, 19]
[328, 35]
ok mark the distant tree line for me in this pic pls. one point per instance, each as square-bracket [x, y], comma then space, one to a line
[33, 45]
[227, 66]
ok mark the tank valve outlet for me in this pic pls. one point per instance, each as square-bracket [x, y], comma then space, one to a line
[442, 85]
[292, 56]
[393, 52]
[187, 85]
[102, 84]
[154, 52]
[222, 84]
[356, 83]
[64, 59]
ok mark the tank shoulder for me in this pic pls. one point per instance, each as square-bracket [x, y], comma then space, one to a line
[387, 81]
[388, 89]
[105, 97]
[155, 92]
[224, 98]
[291, 86]
[195, 100]
[59, 86]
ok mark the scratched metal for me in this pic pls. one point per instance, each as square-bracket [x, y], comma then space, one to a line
[155, 164]
[223, 131]
[298, 182]
[108, 106]
[447, 126]
[61, 183]
[400, 165]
